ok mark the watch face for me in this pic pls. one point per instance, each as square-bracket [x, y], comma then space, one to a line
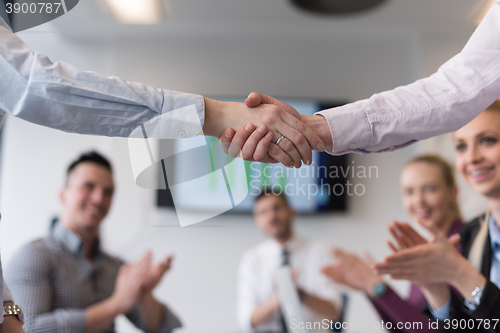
[379, 289]
[475, 298]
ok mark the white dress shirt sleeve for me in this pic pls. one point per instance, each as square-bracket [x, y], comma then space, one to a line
[6, 294]
[323, 287]
[246, 293]
[462, 88]
[443, 312]
[60, 96]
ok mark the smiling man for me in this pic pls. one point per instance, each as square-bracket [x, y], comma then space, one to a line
[66, 283]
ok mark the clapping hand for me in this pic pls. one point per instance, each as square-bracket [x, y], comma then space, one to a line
[426, 263]
[350, 270]
[129, 283]
[156, 273]
[136, 280]
[404, 235]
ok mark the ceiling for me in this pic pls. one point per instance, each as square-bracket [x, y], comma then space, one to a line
[231, 17]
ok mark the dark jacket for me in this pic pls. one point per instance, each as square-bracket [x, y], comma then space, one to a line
[489, 307]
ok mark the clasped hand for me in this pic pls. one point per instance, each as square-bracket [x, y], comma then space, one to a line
[268, 130]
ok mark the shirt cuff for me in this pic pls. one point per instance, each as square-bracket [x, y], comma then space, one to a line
[71, 320]
[170, 321]
[183, 116]
[443, 312]
[351, 131]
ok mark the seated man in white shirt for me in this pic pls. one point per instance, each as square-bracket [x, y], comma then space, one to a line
[66, 283]
[258, 300]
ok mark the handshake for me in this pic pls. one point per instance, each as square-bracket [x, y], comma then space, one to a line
[266, 130]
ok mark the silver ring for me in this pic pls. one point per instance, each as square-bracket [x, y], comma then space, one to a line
[280, 139]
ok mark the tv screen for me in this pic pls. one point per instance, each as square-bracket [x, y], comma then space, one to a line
[203, 178]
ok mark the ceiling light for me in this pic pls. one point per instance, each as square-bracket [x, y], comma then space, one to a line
[336, 7]
[136, 11]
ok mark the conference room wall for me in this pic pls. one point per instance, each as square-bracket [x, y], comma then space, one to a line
[202, 284]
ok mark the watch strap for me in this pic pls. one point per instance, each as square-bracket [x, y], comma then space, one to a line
[14, 310]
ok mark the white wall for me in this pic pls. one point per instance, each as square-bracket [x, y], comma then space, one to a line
[201, 286]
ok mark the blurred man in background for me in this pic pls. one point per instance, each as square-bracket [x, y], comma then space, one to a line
[66, 283]
[259, 307]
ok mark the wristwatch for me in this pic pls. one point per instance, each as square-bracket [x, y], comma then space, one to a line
[475, 297]
[379, 289]
[14, 310]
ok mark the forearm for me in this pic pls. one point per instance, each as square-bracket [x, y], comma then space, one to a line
[320, 306]
[436, 295]
[153, 311]
[215, 118]
[319, 125]
[264, 312]
[466, 279]
[101, 315]
[220, 115]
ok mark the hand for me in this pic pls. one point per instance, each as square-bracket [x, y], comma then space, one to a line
[317, 123]
[299, 137]
[436, 294]
[353, 272]
[404, 235]
[263, 313]
[155, 274]
[129, 282]
[274, 302]
[435, 262]
[254, 146]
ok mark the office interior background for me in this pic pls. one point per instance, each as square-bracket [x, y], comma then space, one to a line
[228, 48]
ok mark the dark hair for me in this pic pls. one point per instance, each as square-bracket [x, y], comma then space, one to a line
[267, 191]
[92, 157]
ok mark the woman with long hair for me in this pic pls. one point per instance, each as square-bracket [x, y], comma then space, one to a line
[437, 264]
[429, 193]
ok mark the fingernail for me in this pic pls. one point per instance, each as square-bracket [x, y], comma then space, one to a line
[262, 129]
[269, 135]
[249, 127]
[228, 133]
[308, 162]
[320, 147]
[249, 95]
